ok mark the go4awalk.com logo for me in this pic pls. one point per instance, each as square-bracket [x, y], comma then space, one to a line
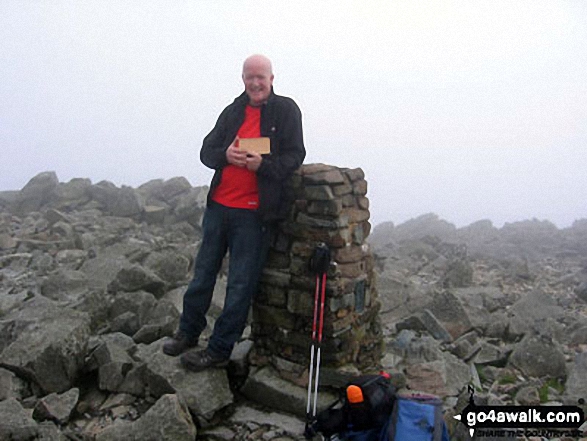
[518, 420]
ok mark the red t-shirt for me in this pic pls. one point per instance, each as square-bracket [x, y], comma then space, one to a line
[238, 186]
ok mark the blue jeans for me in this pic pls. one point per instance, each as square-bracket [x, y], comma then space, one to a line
[242, 233]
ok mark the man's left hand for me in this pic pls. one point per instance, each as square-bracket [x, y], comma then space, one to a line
[253, 161]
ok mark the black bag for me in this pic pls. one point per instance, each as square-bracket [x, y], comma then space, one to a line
[365, 406]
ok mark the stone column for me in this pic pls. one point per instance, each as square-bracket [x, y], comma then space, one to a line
[331, 207]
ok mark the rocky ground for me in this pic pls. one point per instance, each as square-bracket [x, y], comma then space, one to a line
[91, 277]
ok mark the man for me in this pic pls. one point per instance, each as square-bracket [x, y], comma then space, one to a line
[247, 195]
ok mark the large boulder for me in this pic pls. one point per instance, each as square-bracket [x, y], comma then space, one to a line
[205, 393]
[136, 278]
[46, 343]
[576, 385]
[57, 407]
[267, 387]
[448, 309]
[16, 424]
[37, 192]
[167, 419]
[539, 357]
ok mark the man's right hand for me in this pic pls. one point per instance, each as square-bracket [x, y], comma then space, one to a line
[236, 156]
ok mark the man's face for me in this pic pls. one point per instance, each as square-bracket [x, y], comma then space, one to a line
[258, 80]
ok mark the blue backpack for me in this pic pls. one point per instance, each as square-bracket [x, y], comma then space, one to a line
[383, 415]
[415, 417]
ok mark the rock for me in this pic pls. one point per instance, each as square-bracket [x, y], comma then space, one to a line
[447, 308]
[154, 214]
[581, 291]
[73, 194]
[137, 278]
[204, 392]
[265, 386]
[37, 192]
[11, 386]
[190, 206]
[538, 357]
[287, 424]
[130, 311]
[113, 361]
[535, 307]
[167, 419]
[64, 284]
[162, 321]
[102, 270]
[528, 396]
[425, 321]
[171, 266]
[444, 377]
[56, 407]
[576, 384]
[46, 343]
[16, 423]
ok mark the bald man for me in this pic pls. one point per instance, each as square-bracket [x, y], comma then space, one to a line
[247, 196]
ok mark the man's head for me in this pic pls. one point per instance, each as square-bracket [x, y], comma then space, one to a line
[258, 78]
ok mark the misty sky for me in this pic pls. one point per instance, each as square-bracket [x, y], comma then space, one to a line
[469, 109]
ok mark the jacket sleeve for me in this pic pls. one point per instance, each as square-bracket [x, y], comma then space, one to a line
[213, 152]
[292, 152]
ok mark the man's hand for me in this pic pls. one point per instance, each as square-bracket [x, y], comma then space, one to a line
[253, 161]
[236, 156]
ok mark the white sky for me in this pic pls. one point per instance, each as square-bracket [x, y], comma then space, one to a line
[469, 109]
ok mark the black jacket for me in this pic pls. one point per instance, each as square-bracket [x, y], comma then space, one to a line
[281, 121]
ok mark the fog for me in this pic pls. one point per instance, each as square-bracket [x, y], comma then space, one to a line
[471, 110]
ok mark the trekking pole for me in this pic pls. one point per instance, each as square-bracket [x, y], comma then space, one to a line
[320, 327]
[311, 375]
[319, 264]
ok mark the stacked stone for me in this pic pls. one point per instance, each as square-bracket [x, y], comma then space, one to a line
[330, 207]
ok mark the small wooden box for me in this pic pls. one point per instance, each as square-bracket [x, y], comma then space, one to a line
[258, 145]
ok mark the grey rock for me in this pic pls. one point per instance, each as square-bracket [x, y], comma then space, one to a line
[73, 194]
[121, 202]
[154, 214]
[539, 357]
[576, 384]
[12, 386]
[444, 377]
[537, 306]
[190, 206]
[490, 354]
[16, 424]
[426, 321]
[287, 424]
[64, 284]
[102, 270]
[581, 291]
[113, 361]
[528, 396]
[204, 392]
[130, 310]
[167, 419]
[162, 321]
[171, 266]
[46, 343]
[57, 407]
[448, 309]
[136, 278]
[37, 192]
[266, 386]
[71, 259]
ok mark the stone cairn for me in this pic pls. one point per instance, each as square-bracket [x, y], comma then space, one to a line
[330, 207]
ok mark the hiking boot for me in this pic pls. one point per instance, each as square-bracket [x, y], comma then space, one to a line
[199, 360]
[179, 343]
